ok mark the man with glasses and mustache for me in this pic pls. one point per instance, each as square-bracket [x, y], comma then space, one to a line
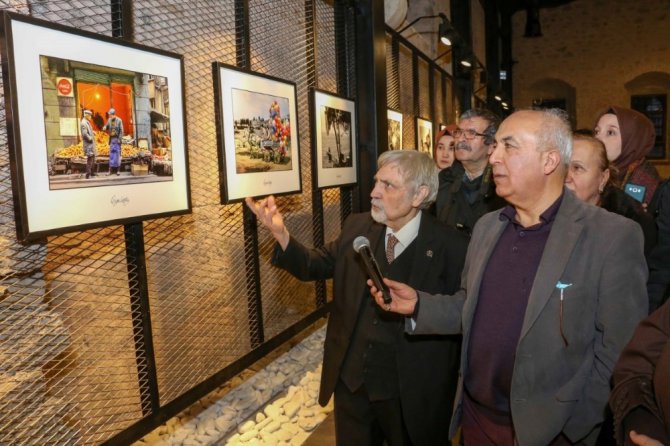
[466, 190]
[388, 386]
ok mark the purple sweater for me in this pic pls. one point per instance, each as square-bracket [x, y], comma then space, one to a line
[501, 308]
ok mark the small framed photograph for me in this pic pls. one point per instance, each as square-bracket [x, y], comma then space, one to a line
[394, 129]
[96, 128]
[335, 157]
[257, 127]
[424, 136]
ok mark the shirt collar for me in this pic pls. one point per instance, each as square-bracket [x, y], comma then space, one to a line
[407, 233]
[509, 213]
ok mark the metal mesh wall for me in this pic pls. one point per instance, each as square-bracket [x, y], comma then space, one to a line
[69, 367]
[440, 106]
[406, 89]
[409, 91]
[424, 90]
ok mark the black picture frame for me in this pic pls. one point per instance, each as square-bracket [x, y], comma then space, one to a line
[424, 136]
[259, 148]
[334, 158]
[394, 126]
[45, 205]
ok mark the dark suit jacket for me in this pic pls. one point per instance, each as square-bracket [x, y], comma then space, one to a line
[427, 365]
[557, 388]
[640, 399]
[451, 206]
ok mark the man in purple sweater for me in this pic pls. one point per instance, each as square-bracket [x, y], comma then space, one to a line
[554, 290]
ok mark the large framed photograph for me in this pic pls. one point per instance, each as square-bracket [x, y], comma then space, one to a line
[335, 157]
[257, 125]
[424, 136]
[96, 128]
[394, 119]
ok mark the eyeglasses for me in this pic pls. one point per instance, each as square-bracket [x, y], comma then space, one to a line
[467, 133]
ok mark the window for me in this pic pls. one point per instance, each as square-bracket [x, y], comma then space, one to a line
[654, 107]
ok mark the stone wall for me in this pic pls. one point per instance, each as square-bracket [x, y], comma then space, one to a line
[596, 47]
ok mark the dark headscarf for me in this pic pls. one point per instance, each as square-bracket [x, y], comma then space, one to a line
[447, 130]
[637, 136]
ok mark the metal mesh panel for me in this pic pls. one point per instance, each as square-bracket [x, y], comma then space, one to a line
[68, 362]
[68, 368]
[392, 80]
[326, 48]
[326, 57]
[282, 54]
[424, 90]
[406, 81]
[453, 110]
[440, 106]
[196, 263]
[400, 91]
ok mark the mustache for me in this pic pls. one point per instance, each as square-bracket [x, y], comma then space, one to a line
[462, 145]
[377, 203]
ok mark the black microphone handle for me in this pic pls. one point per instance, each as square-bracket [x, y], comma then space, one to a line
[375, 274]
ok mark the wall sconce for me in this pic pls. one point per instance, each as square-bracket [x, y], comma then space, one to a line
[446, 32]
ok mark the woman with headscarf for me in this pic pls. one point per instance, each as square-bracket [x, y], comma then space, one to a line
[444, 147]
[628, 136]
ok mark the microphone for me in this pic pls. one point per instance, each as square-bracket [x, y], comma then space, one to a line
[362, 247]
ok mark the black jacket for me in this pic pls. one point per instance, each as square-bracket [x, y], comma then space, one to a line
[658, 285]
[452, 206]
[427, 365]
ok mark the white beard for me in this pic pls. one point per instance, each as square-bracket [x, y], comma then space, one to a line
[378, 215]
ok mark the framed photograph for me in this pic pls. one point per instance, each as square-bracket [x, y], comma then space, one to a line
[257, 127]
[96, 128]
[395, 129]
[424, 136]
[335, 158]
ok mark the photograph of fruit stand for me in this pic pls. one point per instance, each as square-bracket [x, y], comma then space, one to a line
[104, 125]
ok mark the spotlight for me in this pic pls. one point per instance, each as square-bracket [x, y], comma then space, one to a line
[467, 60]
[446, 32]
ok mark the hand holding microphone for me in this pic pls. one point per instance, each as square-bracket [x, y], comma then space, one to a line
[362, 247]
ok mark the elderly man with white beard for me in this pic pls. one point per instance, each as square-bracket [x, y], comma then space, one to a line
[388, 386]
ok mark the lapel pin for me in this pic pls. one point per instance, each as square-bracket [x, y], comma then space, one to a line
[429, 253]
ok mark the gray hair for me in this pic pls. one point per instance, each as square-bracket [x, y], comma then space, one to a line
[555, 133]
[417, 169]
[490, 117]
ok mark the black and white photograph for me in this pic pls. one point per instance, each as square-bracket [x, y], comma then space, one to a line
[334, 137]
[394, 129]
[424, 136]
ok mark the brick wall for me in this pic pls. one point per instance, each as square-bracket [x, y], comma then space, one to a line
[596, 47]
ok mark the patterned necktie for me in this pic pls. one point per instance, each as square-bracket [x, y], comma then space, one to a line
[390, 253]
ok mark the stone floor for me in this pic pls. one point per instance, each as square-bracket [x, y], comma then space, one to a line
[275, 404]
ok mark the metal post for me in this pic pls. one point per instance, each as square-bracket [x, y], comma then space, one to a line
[371, 92]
